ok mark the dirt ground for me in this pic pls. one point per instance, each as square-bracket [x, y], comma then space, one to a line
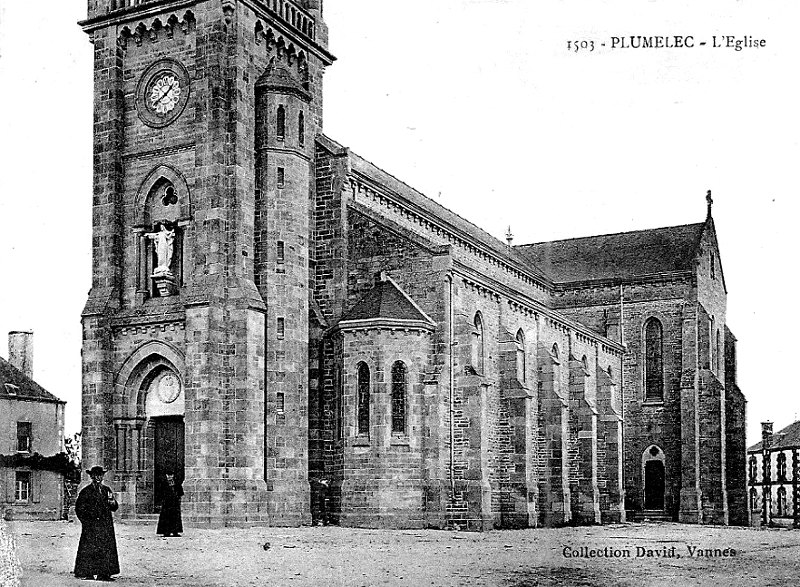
[339, 556]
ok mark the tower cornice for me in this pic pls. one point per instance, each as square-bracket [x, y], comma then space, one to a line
[261, 8]
[140, 11]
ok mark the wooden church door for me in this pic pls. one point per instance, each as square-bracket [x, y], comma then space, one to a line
[168, 453]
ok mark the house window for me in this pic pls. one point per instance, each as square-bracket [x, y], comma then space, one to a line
[753, 470]
[22, 486]
[301, 129]
[24, 437]
[281, 328]
[399, 374]
[281, 123]
[281, 177]
[477, 344]
[363, 398]
[520, 345]
[654, 360]
[781, 505]
[753, 499]
[781, 466]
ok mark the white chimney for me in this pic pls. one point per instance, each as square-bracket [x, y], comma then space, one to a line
[20, 351]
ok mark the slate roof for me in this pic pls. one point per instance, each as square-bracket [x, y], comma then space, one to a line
[385, 300]
[25, 387]
[787, 438]
[624, 255]
[435, 210]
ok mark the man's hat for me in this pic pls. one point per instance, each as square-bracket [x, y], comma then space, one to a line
[97, 470]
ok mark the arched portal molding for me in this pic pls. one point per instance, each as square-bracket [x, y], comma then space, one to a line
[138, 371]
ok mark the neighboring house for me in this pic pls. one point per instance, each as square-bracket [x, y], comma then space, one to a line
[269, 308]
[31, 438]
[773, 476]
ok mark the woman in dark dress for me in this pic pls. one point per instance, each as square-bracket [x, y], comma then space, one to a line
[169, 521]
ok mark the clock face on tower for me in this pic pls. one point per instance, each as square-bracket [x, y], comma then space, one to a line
[165, 94]
[162, 93]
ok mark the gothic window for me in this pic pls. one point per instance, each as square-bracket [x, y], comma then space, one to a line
[753, 499]
[363, 398]
[24, 437]
[713, 269]
[781, 466]
[554, 351]
[717, 353]
[281, 123]
[585, 363]
[22, 486]
[781, 505]
[753, 464]
[301, 129]
[654, 360]
[477, 344]
[521, 367]
[399, 375]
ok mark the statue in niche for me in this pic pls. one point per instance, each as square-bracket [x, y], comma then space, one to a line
[164, 241]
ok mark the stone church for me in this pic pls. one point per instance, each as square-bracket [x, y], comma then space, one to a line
[271, 314]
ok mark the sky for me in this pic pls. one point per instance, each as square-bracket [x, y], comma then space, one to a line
[481, 105]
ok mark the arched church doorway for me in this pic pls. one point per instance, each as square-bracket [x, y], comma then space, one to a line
[164, 411]
[654, 485]
[654, 474]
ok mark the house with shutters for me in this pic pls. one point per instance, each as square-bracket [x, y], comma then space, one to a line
[31, 439]
[773, 475]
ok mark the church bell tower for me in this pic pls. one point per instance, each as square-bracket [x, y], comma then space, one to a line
[195, 332]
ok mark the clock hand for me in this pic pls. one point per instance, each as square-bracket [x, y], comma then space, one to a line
[161, 97]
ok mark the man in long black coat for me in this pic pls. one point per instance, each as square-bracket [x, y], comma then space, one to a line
[97, 549]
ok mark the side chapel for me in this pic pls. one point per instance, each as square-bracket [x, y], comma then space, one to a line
[270, 309]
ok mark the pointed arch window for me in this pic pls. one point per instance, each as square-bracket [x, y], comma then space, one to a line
[281, 123]
[654, 360]
[477, 344]
[399, 395]
[363, 398]
[521, 366]
[554, 351]
[717, 354]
